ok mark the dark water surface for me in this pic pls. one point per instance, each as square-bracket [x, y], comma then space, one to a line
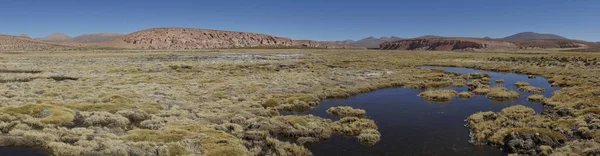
[20, 151]
[410, 125]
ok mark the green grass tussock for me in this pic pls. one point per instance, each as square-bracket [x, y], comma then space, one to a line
[439, 95]
[346, 111]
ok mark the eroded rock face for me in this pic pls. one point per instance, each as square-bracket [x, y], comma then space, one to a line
[186, 38]
[446, 44]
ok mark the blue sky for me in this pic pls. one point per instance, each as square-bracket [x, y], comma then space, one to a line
[308, 19]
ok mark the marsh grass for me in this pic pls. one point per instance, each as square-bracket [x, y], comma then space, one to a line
[465, 95]
[346, 111]
[531, 89]
[502, 94]
[224, 93]
[536, 98]
[439, 95]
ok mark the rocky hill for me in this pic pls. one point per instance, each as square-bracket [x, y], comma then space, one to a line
[448, 44]
[533, 36]
[188, 38]
[20, 43]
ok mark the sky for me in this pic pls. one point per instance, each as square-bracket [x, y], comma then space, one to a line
[308, 19]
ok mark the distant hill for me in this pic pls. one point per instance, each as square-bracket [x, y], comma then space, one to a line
[533, 36]
[95, 38]
[369, 42]
[448, 44]
[190, 38]
[430, 36]
[20, 43]
[56, 37]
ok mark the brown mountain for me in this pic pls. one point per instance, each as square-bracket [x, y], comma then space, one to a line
[95, 38]
[188, 38]
[448, 44]
[56, 37]
[19, 43]
[533, 36]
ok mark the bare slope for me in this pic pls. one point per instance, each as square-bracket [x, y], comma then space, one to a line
[19, 43]
[188, 38]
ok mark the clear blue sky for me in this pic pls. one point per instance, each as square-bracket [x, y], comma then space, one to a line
[308, 19]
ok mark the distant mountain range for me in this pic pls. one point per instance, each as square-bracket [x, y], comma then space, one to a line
[85, 38]
[190, 38]
[524, 40]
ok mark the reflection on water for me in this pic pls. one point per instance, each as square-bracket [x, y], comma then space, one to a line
[410, 125]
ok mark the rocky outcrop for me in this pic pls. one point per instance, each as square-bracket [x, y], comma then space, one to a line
[187, 38]
[446, 44]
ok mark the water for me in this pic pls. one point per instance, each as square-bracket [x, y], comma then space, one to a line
[23, 151]
[410, 125]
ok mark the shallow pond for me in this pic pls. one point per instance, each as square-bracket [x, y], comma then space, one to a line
[410, 125]
[23, 151]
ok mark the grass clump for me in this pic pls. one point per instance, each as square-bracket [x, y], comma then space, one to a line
[521, 84]
[353, 126]
[48, 114]
[502, 94]
[346, 111]
[439, 95]
[465, 95]
[500, 81]
[369, 137]
[536, 98]
[271, 103]
[531, 89]
[212, 142]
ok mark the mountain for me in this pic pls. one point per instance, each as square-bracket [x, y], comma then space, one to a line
[533, 36]
[95, 38]
[56, 37]
[190, 38]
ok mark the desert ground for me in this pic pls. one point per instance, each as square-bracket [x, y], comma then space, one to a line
[228, 101]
